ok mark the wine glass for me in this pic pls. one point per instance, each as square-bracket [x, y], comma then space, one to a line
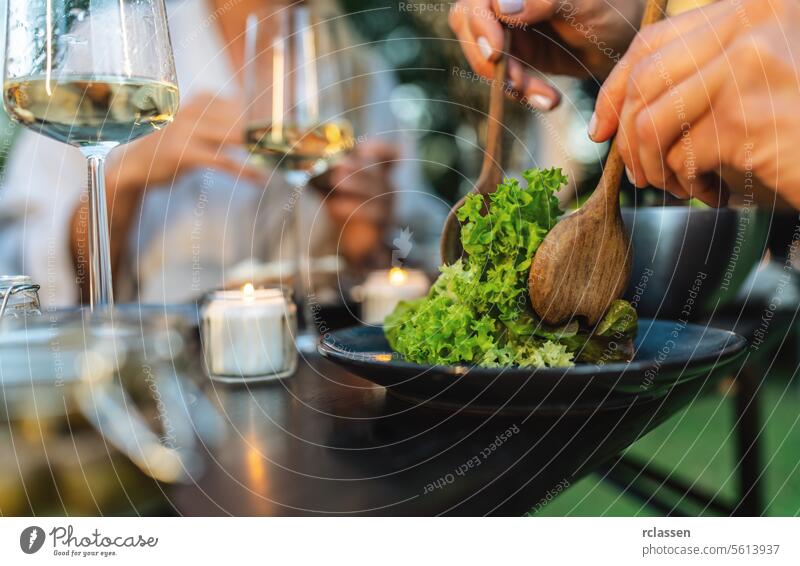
[92, 74]
[294, 120]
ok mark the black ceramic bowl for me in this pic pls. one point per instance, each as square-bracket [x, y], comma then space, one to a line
[667, 353]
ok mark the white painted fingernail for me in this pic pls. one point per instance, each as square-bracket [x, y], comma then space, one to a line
[485, 47]
[540, 101]
[630, 176]
[510, 6]
[593, 126]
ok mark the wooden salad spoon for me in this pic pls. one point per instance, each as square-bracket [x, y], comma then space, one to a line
[491, 171]
[584, 263]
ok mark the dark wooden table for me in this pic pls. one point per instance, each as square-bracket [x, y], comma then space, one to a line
[326, 442]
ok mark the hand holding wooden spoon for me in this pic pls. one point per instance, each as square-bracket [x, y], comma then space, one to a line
[492, 171]
[585, 261]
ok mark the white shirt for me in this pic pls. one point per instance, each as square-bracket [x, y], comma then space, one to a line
[187, 234]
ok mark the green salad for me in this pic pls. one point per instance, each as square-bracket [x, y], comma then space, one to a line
[478, 312]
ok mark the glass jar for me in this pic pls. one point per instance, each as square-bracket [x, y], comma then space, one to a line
[18, 296]
[248, 334]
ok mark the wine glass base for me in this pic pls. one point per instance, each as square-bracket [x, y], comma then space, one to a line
[306, 343]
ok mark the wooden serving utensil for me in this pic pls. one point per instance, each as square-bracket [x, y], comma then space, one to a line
[491, 171]
[584, 263]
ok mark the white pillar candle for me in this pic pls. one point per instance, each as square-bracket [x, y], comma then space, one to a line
[383, 289]
[248, 334]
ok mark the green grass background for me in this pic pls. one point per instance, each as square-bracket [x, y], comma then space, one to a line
[698, 444]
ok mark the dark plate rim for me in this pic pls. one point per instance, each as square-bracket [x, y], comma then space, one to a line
[735, 345]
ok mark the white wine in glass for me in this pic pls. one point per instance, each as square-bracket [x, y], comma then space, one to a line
[291, 148]
[295, 111]
[91, 110]
[93, 74]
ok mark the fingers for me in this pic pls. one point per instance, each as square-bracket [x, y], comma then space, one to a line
[517, 76]
[203, 132]
[710, 189]
[680, 58]
[213, 111]
[480, 55]
[203, 101]
[200, 156]
[207, 120]
[668, 79]
[696, 153]
[612, 95]
[198, 138]
[540, 94]
[479, 63]
[691, 163]
[717, 193]
[518, 12]
[657, 126]
[480, 34]
[655, 78]
[485, 28]
[537, 92]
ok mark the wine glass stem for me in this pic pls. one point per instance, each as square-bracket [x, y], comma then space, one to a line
[100, 285]
[307, 338]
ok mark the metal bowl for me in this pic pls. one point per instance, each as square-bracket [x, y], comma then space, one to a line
[689, 262]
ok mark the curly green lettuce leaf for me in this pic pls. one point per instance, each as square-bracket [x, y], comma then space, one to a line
[611, 340]
[477, 311]
[620, 320]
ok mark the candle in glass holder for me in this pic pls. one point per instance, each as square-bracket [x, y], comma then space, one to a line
[248, 334]
[383, 289]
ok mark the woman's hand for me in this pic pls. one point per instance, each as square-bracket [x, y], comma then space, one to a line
[717, 86]
[197, 138]
[360, 200]
[581, 38]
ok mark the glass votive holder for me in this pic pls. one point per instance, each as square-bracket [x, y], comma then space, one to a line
[248, 334]
[18, 296]
[384, 289]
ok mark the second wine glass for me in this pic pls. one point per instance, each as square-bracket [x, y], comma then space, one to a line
[295, 120]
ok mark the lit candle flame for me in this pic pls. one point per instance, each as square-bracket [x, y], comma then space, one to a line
[398, 276]
[249, 292]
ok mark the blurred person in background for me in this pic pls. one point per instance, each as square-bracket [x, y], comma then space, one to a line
[186, 206]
